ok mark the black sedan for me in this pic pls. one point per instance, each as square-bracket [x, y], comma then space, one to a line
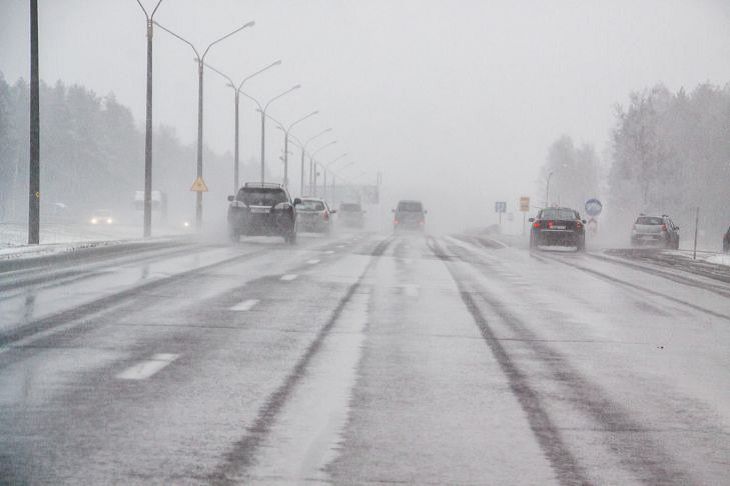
[558, 227]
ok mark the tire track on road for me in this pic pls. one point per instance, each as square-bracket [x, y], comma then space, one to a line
[244, 451]
[639, 454]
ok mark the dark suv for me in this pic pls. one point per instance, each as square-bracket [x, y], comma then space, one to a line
[726, 242]
[558, 226]
[655, 230]
[262, 209]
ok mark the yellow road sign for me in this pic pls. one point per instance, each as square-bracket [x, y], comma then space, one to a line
[524, 204]
[199, 185]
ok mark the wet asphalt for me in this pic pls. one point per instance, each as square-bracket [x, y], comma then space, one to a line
[362, 358]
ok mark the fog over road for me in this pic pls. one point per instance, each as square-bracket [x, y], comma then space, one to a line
[362, 358]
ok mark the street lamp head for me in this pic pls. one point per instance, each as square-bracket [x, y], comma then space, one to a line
[250, 24]
[296, 86]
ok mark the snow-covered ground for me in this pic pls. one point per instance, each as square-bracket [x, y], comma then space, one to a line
[58, 238]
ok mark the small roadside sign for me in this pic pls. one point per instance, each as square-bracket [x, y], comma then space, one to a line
[593, 207]
[524, 204]
[500, 207]
[199, 185]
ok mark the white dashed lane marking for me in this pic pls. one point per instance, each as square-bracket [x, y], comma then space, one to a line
[411, 290]
[145, 369]
[313, 262]
[289, 277]
[245, 305]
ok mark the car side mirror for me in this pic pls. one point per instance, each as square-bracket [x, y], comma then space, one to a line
[231, 198]
[333, 211]
[531, 220]
[677, 228]
[583, 221]
[425, 211]
[297, 201]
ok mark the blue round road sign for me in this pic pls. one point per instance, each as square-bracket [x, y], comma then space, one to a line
[593, 207]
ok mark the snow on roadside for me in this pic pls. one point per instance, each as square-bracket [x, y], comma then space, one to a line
[66, 238]
[719, 259]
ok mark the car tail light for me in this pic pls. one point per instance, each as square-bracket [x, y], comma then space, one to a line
[536, 224]
[550, 224]
[326, 216]
[578, 224]
[422, 222]
[664, 227]
[395, 221]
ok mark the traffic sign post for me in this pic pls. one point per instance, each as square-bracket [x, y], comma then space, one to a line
[500, 207]
[524, 208]
[593, 207]
[199, 185]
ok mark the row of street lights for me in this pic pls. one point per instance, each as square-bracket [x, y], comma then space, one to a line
[237, 87]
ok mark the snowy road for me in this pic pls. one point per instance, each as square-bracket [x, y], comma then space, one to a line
[362, 358]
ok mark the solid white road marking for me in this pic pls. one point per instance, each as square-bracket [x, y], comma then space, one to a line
[245, 305]
[289, 277]
[329, 252]
[313, 261]
[145, 369]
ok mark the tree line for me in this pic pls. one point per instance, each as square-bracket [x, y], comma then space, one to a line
[92, 155]
[668, 154]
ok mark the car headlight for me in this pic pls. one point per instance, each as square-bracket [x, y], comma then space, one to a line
[186, 224]
[94, 220]
[109, 221]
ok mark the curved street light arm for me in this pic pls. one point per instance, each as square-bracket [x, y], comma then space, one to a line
[252, 99]
[230, 81]
[316, 136]
[291, 125]
[266, 106]
[197, 54]
[149, 16]
[335, 160]
[275, 63]
[322, 147]
[249, 24]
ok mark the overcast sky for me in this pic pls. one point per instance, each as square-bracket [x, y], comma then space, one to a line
[441, 96]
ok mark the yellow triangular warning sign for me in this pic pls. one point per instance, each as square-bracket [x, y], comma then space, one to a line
[199, 185]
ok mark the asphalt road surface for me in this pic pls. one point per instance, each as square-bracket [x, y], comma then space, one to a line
[359, 359]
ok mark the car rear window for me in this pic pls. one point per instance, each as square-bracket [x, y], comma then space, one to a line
[409, 206]
[350, 207]
[311, 206]
[258, 196]
[563, 214]
[648, 220]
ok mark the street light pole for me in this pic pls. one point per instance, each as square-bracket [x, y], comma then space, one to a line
[313, 167]
[201, 61]
[326, 169]
[304, 151]
[34, 166]
[147, 217]
[262, 110]
[547, 190]
[237, 89]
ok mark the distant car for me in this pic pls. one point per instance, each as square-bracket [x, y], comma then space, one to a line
[351, 215]
[655, 231]
[726, 242]
[262, 209]
[101, 216]
[314, 215]
[409, 215]
[558, 227]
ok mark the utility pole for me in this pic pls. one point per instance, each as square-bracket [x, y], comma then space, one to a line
[147, 222]
[34, 169]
